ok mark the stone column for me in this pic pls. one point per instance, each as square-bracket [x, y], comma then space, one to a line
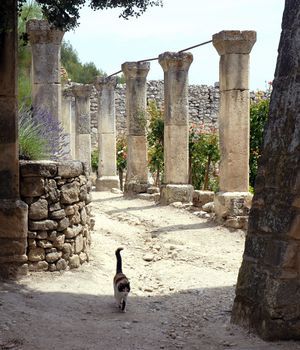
[13, 212]
[137, 170]
[46, 80]
[83, 123]
[234, 48]
[107, 167]
[175, 186]
[67, 116]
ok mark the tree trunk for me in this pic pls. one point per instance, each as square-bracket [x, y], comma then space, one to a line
[267, 292]
[121, 178]
[9, 162]
[206, 176]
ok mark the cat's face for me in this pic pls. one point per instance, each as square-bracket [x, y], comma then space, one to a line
[124, 288]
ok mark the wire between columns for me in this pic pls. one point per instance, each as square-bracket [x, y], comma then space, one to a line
[156, 58]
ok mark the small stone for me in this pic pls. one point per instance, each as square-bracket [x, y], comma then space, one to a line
[44, 244]
[42, 235]
[36, 254]
[82, 257]
[61, 264]
[52, 257]
[52, 267]
[72, 232]
[38, 266]
[58, 214]
[59, 242]
[176, 204]
[70, 210]
[67, 250]
[42, 225]
[116, 191]
[63, 224]
[38, 210]
[31, 234]
[148, 257]
[209, 207]
[74, 261]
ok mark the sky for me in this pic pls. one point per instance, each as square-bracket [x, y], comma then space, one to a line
[108, 41]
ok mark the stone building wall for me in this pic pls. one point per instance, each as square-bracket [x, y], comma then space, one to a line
[59, 223]
[203, 105]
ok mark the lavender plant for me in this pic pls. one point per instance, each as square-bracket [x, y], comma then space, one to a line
[41, 136]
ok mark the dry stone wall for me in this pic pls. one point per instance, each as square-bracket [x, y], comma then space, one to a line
[59, 215]
[203, 105]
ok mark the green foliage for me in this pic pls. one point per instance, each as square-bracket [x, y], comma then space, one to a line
[121, 79]
[259, 111]
[204, 156]
[95, 160]
[78, 72]
[155, 138]
[65, 14]
[41, 136]
[30, 10]
[32, 145]
[121, 153]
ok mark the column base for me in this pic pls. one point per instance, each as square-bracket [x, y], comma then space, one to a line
[13, 238]
[233, 208]
[171, 193]
[133, 188]
[106, 183]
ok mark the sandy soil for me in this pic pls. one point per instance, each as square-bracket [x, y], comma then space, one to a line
[182, 271]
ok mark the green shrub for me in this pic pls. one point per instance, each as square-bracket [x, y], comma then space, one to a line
[155, 138]
[32, 145]
[41, 136]
[204, 158]
[259, 111]
[95, 160]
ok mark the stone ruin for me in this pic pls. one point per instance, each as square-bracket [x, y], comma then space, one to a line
[58, 195]
[54, 198]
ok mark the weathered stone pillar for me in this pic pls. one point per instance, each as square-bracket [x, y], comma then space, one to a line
[67, 120]
[46, 77]
[13, 212]
[268, 288]
[107, 167]
[137, 171]
[83, 123]
[234, 48]
[175, 186]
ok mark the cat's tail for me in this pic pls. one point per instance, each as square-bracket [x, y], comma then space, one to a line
[119, 260]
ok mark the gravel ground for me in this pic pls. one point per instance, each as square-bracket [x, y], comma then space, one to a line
[182, 269]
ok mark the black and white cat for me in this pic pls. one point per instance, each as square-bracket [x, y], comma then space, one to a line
[121, 283]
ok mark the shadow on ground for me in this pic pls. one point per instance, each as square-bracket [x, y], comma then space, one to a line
[191, 319]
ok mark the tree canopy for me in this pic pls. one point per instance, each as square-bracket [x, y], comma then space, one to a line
[64, 14]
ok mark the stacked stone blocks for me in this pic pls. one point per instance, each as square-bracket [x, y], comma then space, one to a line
[59, 224]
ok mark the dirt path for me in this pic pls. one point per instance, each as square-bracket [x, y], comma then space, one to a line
[182, 271]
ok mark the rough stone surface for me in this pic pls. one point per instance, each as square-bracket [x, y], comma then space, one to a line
[38, 210]
[176, 193]
[59, 223]
[268, 287]
[74, 261]
[202, 197]
[70, 169]
[203, 106]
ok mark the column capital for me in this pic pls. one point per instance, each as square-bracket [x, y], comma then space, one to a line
[175, 60]
[40, 32]
[134, 70]
[234, 41]
[105, 82]
[82, 90]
